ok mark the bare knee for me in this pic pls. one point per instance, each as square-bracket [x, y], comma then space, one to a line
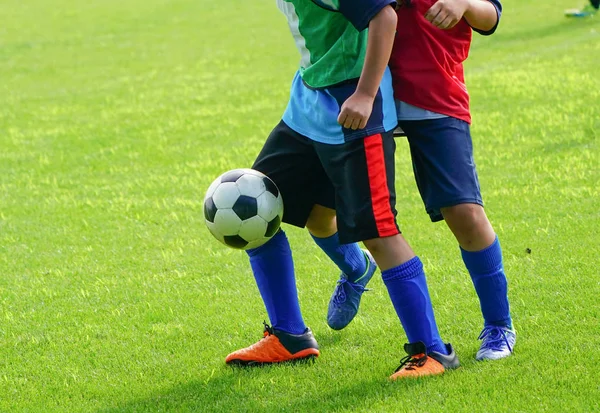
[389, 252]
[464, 217]
[376, 246]
[322, 222]
[470, 226]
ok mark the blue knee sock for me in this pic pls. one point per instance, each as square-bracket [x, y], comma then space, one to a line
[487, 273]
[273, 270]
[349, 258]
[407, 287]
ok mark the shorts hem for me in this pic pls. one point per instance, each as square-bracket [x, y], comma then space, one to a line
[295, 223]
[340, 138]
[434, 212]
[363, 236]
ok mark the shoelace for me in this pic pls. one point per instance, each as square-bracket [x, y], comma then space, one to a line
[268, 331]
[340, 296]
[493, 338]
[412, 362]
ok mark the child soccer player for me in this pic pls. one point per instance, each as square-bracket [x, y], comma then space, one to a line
[333, 151]
[432, 41]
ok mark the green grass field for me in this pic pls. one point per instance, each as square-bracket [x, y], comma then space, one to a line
[116, 115]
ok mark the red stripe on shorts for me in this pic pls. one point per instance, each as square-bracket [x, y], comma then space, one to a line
[380, 195]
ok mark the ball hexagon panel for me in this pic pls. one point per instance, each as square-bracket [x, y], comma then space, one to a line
[257, 243]
[250, 185]
[214, 232]
[213, 186]
[245, 207]
[235, 241]
[269, 206]
[225, 195]
[227, 222]
[253, 229]
[273, 226]
[232, 176]
[210, 210]
[270, 186]
[252, 172]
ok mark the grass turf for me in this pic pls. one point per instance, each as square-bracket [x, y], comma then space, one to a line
[115, 117]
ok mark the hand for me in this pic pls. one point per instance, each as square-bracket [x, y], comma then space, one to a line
[356, 111]
[445, 14]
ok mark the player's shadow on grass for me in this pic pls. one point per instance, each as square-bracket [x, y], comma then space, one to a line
[237, 390]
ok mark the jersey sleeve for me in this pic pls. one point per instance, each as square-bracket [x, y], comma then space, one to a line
[498, 6]
[360, 12]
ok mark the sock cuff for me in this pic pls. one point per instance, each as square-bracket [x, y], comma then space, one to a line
[410, 269]
[485, 261]
[331, 240]
[278, 240]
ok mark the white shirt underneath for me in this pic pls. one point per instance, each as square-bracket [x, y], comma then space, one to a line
[407, 111]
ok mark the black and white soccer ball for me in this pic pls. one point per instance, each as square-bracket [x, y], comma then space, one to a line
[243, 208]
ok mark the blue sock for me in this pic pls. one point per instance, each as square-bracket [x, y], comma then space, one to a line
[273, 270]
[487, 273]
[349, 258]
[407, 287]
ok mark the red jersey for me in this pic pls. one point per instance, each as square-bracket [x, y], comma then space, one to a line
[427, 62]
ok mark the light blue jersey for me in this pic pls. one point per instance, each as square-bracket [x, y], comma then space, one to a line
[314, 112]
[406, 111]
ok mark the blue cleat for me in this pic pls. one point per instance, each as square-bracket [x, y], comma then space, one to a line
[498, 342]
[345, 300]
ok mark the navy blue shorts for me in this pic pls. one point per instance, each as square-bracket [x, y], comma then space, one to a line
[355, 178]
[442, 156]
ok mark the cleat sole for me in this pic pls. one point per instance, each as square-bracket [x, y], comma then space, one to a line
[311, 358]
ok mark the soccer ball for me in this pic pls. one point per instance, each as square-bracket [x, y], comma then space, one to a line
[243, 208]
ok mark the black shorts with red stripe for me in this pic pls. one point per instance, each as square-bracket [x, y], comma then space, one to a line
[355, 178]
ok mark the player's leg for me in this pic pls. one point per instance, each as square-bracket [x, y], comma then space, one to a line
[321, 221]
[482, 255]
[470, 225]
[289, 160]
[362, 172]
[445, 172]
[321, 225]
[357, 266]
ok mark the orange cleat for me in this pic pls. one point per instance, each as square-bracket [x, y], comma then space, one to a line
[420, 363]
[276, 347]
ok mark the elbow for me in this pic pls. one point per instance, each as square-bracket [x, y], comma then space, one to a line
[484, 20]
[484, 32]
[486, 29]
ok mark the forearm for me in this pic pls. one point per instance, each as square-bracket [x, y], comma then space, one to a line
[481, 15]
[382, 29]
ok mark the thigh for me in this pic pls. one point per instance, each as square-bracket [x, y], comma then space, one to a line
[362, 173]
[291, 161]
[442, 156]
